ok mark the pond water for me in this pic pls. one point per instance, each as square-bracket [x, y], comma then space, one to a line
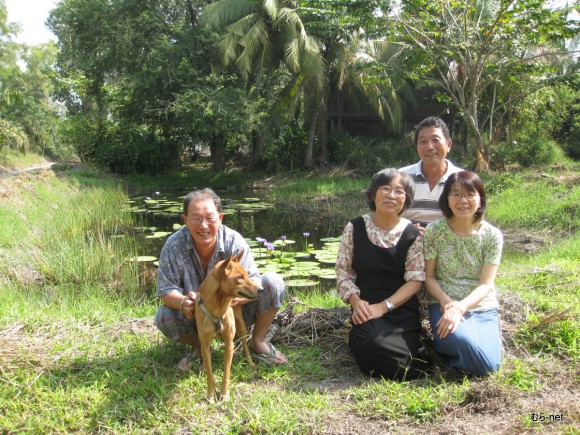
[298, 240]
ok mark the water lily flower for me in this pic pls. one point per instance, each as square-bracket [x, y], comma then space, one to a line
[260, 240]
[269, 246]
[282, 237]
[306, 234]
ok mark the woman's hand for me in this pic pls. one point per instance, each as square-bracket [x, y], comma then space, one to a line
[362, 311]
[452, 316]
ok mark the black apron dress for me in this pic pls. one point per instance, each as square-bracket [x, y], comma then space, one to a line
[386, 347]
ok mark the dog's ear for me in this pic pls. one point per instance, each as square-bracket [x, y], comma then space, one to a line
[238, 256]
[224, 266]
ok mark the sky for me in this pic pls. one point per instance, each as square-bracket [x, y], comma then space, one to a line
[31, 15]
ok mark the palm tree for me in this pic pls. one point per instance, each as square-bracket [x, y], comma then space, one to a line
[262, 36]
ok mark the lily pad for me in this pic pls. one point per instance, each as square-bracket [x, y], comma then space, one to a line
[331, 239]
[158, 234]
[329, 276]
[305, 265]
[144, 258]
[284, 242]
[301, 283]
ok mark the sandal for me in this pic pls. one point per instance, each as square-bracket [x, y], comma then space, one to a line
[186, 363]
[270, 358]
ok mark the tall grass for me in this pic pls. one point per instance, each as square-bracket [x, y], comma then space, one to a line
[534, 201]
[63, 252]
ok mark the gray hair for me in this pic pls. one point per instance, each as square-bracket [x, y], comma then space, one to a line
[385, 177]
[202, 194]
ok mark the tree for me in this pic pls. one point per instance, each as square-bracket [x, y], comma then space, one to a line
[28, 115]
[471, 47]
[320, 43]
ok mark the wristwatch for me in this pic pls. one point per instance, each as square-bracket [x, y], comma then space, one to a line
[390, 306]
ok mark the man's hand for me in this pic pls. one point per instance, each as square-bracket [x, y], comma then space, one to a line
[188, 305]
[239, 301]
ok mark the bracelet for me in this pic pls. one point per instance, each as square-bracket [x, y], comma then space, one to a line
[182, 303]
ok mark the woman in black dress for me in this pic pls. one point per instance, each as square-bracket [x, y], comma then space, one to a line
[380, 268]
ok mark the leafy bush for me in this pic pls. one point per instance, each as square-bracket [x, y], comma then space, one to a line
[286, 150]
[572, 144]
[525, 152]
[537, 151]
[370, 155]
[12, 136]
[135, 151]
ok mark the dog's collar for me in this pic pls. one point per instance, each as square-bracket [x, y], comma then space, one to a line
[214, 319]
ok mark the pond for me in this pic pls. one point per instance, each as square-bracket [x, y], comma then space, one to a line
[297, 240]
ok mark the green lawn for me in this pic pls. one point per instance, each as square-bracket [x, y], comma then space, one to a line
[80, 353]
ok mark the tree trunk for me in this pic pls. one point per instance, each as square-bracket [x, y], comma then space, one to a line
[308, 161]
[481, 159]
[216, 153]
[323, 139]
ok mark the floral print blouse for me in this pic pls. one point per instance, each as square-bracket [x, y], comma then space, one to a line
[345, 274]
[459, 259]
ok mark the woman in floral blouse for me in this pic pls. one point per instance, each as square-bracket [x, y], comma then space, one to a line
[462, 254]
[380, 268]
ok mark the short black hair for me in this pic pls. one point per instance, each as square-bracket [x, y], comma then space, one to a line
[432, 121]
[202, 194]
[471, 182]
[384, 178]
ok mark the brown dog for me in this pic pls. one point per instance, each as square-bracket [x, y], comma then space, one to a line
[215, 316]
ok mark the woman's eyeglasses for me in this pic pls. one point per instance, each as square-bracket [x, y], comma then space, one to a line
[458, 195]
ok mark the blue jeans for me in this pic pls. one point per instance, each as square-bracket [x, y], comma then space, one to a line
[476, 345]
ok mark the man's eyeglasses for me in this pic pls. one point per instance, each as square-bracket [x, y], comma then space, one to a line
[209, 220]
[457, 195]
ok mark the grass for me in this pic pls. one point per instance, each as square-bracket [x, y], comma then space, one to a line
[13, 160]
[80, 351]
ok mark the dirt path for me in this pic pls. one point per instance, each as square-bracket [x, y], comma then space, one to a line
[6, 174]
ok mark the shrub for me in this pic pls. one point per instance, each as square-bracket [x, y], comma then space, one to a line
[369, 155]
[536, 151]
[525, 152]
[135, 151]
[572, 144]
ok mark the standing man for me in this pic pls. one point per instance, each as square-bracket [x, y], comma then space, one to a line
[185, 260]
[433, 143]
